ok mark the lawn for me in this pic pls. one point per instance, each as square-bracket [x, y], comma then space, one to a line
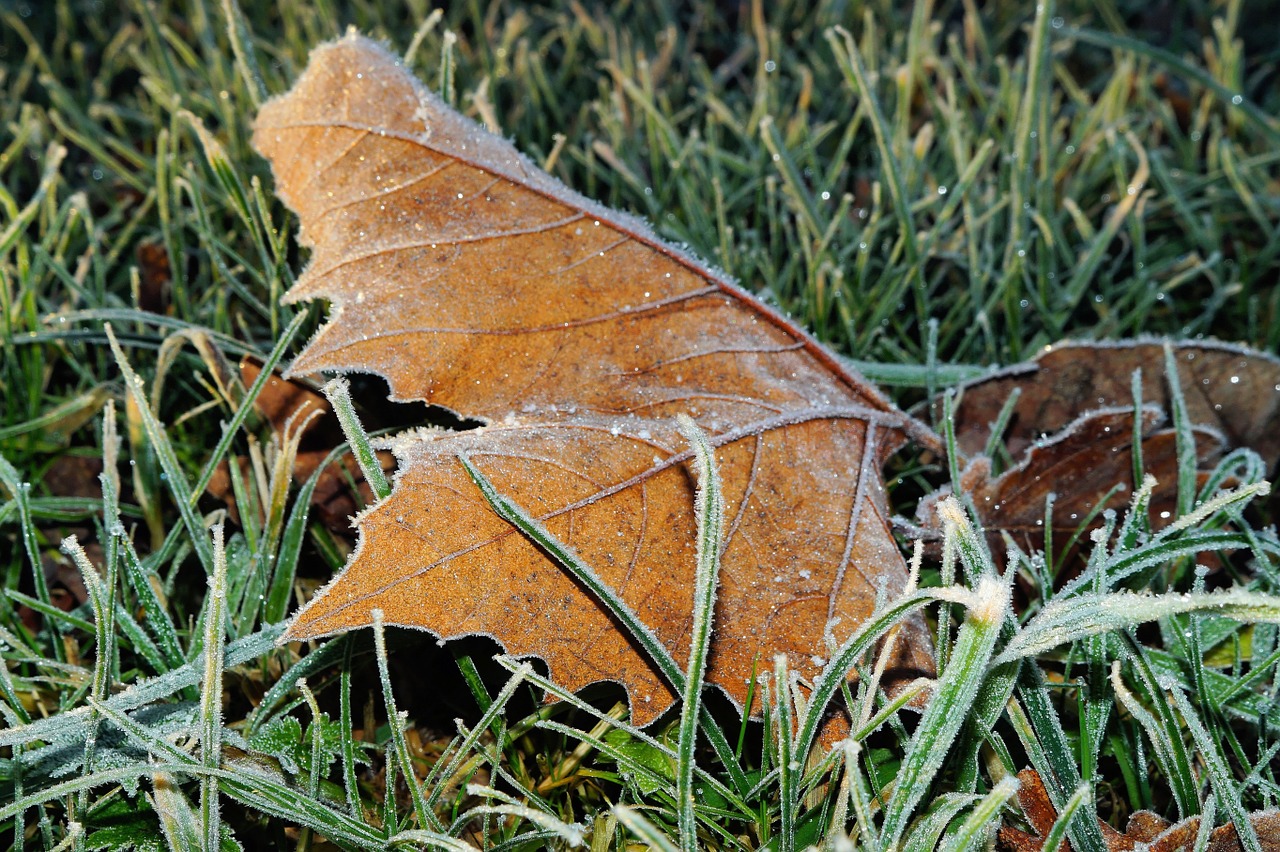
[933, 191]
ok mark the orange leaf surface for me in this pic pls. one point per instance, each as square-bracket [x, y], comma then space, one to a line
[470, 279]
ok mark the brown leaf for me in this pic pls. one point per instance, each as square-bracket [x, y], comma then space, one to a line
[281, 401]
[1071, 431]
[1230, 389]
[155, 276]
[470, 279]
[1086, 468]
[1154, 832]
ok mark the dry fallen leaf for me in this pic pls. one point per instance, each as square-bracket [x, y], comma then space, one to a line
[470, 279]
[1230, 389]
[1086, 468]
[1145, 830]
[1071, 431]
[290, 404]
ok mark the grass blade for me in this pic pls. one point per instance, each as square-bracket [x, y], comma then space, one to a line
[709, 508]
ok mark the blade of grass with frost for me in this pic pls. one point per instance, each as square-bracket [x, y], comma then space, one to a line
[254, 790]
[266, 559]
[313, 771]
[138, 639]
[848, 654]
[708, 506]
[72, 724]
[1225, 788]
[345, 726]
[1242, 465]
[61, 620]
[1207, 814]
[242, 48]
[788, 765]
[211, 695]
[1185, 441]
[631, 819]
[1164, 733]
[160, 444]
[914, 375]
[428, 840]
[1158, 551]
[295, 530]
[853, 789]
[909, 693]
[1031, 107]
[626, 762]
[444, 774]
[101, 600]
[178, 821]
[15, 714]
[849, 59]
[63, 418]
[1074, 806]
[314, 662]
[529, 526]
[551, 688]
[1051, 752]
[232, 428]
[1225, 502]
[426, 816]
[927, 829]
[958, 684]
[1067, 620]
[1235, 100]
[53, 157]
[21, 492]
[731, 795]
[978, 827]
[568, 832]
[338, 392]
[942, 639]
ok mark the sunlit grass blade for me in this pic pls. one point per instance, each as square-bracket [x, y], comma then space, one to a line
[976, 830]
[1225, 787]
[211, 695]
[426, 816]
[634, 822]
[709, 509]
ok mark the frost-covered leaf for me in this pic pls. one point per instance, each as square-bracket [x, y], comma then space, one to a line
[470, 279]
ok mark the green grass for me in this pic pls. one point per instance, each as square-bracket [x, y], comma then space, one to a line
[931, 190]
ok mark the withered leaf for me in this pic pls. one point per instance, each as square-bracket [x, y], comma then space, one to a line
[1145, 830]
[1071, 430]
[1230, 389]
[291, 405]
[470, 279]
[1086, 468]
